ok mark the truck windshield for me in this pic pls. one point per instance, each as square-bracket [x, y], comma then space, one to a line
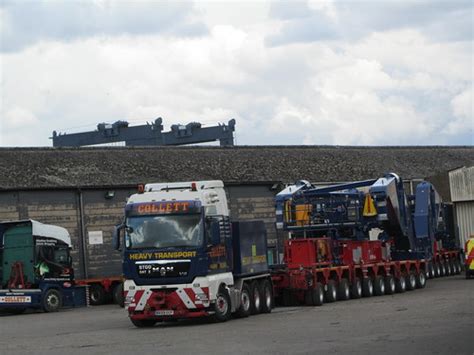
[164, 231]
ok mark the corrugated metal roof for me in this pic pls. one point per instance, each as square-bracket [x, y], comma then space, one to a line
[464, 220]
[26, 168]
[461, 183]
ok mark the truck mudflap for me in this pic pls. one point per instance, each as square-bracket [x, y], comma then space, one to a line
[168, 303]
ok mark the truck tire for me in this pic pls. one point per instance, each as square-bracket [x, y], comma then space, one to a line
[442, 269]
[143, 323]
[421, 279]
[96, 295]
[256, 298]
[331, 291]
[437, 270]
[449, 271]
[244, 309]
[430, 271]
[267, 296]
[117, 295]
[318, 294]
[52, 300]
[367, 287]
[456, 267]
[390, 286]
[343, 292]
[411, 281]
[379, 286]
[400, 284]
[356, 289]
[222, 306]
[459, 264]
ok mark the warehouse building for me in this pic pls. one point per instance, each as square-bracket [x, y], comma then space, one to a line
[461, 183]
[85, 189]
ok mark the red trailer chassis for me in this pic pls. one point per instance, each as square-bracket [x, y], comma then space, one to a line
[310, 277]
[104, 289]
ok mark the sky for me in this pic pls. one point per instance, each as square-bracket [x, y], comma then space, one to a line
[321, 72]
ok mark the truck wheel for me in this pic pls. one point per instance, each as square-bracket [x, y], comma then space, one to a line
[421, 279]
[343, 292]
[244, 309]
[449, 271]
[456, 267]
[379, 286]
[318, 294]
[143, 323]
[331, 291]
[222, 307]
[430, 271]
[267, 294]
[96, 295]
[52, 300]
[367, 287]
[118, 295]
[400, 284]
[437, 270]
[411, 281]
[459, 264]
[256, 299]
[356, 289]
[442, 269]
[389, 285]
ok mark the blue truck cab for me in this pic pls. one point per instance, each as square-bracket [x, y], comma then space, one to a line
[184, 258]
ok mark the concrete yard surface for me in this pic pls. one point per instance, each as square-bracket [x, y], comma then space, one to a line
[436, 320]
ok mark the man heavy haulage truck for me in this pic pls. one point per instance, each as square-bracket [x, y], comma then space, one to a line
[184, 258]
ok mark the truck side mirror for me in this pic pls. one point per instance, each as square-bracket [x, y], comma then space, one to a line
[215, 233]
[117, 237]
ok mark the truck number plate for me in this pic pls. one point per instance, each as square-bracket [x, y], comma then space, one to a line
[15, 299]
[166, 312]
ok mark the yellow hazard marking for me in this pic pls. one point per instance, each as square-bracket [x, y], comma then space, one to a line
[369, 207]
[470, 252]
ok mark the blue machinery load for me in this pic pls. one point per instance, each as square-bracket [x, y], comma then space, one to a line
[148, 135]
[415, 225]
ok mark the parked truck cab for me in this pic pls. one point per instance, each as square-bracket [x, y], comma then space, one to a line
[184, 258]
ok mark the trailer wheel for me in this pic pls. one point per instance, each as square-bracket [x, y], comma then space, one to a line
[400, 284]
[367, 287]
[379, 286]
[222, 307]
[331, 291]
[442, 269]
[52, 300]
[356, 289]
[118, 295]
[447, 265]
[430, 271]
[318, 294]
[437, 270]
[421, 279]
[256, 297]
[143, 323]
[344, 292]
[411, 281]
[454, 266]
[390, 285]
[244, 309]
[458, 266]
[267, 294]
[96, 295]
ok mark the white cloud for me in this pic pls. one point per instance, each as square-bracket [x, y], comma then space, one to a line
[396, 86]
